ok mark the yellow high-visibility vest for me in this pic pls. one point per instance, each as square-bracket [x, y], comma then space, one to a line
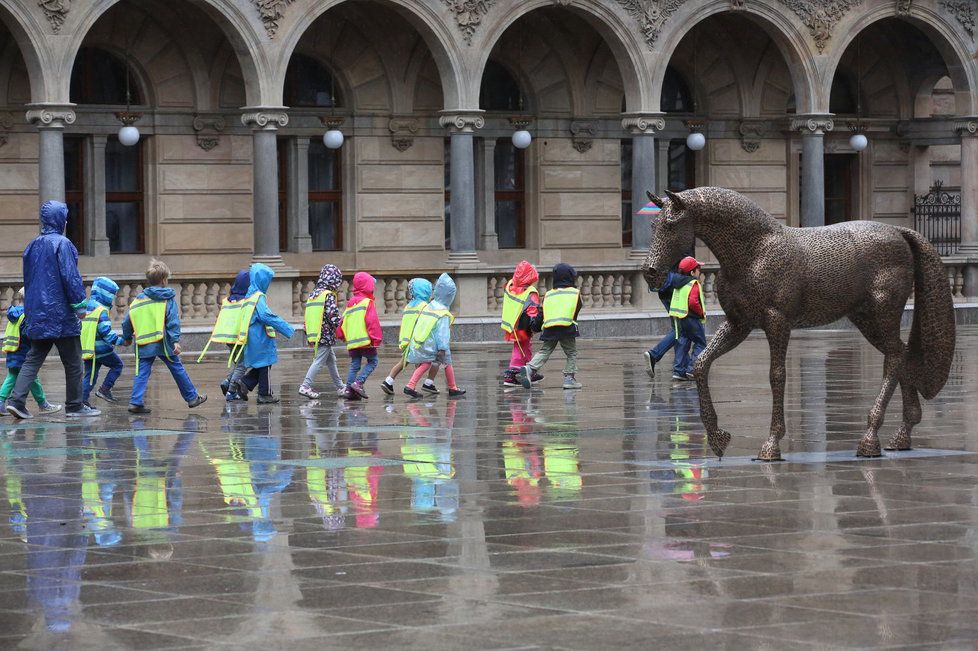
[426, 323]
[355, 325]
[89, 331]
[228, 328]
[513, 306]
[11, 336]
[679, 306]
[559, 306]
[315, 309]
[148, 318]
[408, 321]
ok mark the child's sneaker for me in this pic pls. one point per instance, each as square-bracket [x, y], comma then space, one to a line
[225, 387]
[651, 364]
[524, 376]
[139, 409]
[358, 389]
[350, 394]
[387, 387]
[84, 412]
[411, 393]
[509, 378]
[341, 392]
[267, 400]
[199, 400]
[456, 393]
[3, 408]
[307, 391]
[48, 408]
[232, 396]
[570, 382]
[20, 413]
[105, 394]
[680, 377]
[535, 377]
[429, 387]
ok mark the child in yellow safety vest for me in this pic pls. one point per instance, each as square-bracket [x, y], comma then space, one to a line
[689, 318]
[360, 328]
[419, 294]
[153, 324]
[260, 349]
[15, 347]
[431, 340]
[322, 319]
[98, 341]
[561, 307]
[521, 317]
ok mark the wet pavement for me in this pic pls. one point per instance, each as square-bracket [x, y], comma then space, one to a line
[507, 519]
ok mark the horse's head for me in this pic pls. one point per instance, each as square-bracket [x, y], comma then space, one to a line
[672, 237]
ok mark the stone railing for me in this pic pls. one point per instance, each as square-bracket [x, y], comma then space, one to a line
[612, 290]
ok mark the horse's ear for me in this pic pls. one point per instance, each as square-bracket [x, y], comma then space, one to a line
[677, 202]
[653, 198]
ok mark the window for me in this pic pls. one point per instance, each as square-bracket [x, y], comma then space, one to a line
[510, 201]
[626, 193]
[500, 90]
[309, 83]
[839, 170]
[99, 77]
[75, 191]
[124, 197]
[325, 197]
[682, 169]
[283, 194]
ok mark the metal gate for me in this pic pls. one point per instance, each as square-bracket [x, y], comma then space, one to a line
[937, 216]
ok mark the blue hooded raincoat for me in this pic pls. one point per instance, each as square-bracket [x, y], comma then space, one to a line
[53, 289]
[103, 293]
[420, 291]
[16, 358]
[260, 350]
[441, 335]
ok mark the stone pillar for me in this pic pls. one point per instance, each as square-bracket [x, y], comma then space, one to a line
[969, 203]
[487, 194]
[50, 120]
[95, 200]
[643, 129]
[813, 128]
[462, 126]
[299, 195]
[264, 122]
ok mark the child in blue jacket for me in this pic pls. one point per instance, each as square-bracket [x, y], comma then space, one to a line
[103, 295]
[260, 353]
[15, 345]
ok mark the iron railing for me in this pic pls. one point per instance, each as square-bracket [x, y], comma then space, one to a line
[937, 216]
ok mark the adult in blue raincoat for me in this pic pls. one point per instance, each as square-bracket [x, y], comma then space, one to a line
[260, 353]
[55, 301]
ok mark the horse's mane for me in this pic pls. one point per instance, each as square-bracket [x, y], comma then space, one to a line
[728, 205]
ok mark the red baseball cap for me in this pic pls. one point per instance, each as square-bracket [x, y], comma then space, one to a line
[687, 264]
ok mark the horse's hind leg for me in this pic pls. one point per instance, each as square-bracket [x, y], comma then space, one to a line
[885, 336]
[727, 337]
[911, 415]
[778, 334]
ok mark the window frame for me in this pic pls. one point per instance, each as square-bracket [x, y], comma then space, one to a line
[517, 195]
[328, 196]
[138, 197]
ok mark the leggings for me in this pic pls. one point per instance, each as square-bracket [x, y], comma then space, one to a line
[423, 368]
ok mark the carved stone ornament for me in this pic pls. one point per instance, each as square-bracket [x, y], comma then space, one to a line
[903, 7]
[750, 136]
[403, 130]
[465, 122]
[582, 135]
[968, 128]
[271, 11]
[51, 116]
[468, 15]
[820, 16]
[738, 4]
[208, 130]
[964, 12]
[651, 16]
[643, 124]
[6, 124]
[265, 119]
[55, 11]
[816, 124]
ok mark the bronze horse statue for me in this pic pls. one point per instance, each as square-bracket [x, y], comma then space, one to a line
[777, 278]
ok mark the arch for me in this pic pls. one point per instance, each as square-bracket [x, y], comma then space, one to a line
[942, 36]
[27, 33]
[89, 56]
[773, 20]
[301, 68]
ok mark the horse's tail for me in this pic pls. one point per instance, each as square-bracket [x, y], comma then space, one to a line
[931, 345]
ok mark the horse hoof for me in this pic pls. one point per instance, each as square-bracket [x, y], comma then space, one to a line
[718, 441]
[899, 442]
[770, 451]
[869, 448]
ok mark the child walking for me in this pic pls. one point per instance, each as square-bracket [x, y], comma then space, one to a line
[520, 319]
[360, 328]
[260, 351]
[432, 336]
[561, 307]
[16, 345]
[236, 368]
[689, 318]
[322, 319]
[98, 341]
[674, 281]
[153, 323]
[420, 294]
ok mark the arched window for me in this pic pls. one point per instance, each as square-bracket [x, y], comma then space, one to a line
[500, 91]
[843, 97]
[309, 83]
[99, 77]
[676, 97]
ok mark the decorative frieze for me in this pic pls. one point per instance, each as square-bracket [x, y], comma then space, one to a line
[582, 135]
[462, 121]
[821, 16]
[403, 130]
[270, 119]
[468, 15]
[208, 129]
[651, 16]
[643, 124]
[55, 11]
[964, 12]
[271, 11]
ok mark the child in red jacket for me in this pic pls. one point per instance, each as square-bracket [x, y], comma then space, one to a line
[521, 318]
[360, 328]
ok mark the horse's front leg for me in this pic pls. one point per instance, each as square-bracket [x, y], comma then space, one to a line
[727, 337]
[778, 333]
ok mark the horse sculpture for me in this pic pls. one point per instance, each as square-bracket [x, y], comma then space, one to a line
[776, 278]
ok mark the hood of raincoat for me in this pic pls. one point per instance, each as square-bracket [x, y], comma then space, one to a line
[420, 289]
[564, 275]
[239, 288]
[261, 278]
[330, 278]
[104, 291]
[444, 290]
[524, 276]
[160, 293]
[14, 312]
[364, 283]
[54, 218]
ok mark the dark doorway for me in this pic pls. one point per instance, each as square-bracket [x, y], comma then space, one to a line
[840, 170]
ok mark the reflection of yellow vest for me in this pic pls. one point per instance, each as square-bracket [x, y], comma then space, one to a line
[357, 477]
[315, 309]
[426, 323]
[89, 330]
[11, 336]
[559, 306]
[234, 476]
[355, 325]
[515, 466]
[408, 321]
[422, 460]
[513, 306]
[149, 509]
[561, 467]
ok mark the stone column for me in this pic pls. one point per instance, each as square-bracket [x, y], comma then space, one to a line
[969, 203]
[643, 129]
[813, 128]
[264, 122]
[462, 126]
[95, 200]
[487, 194]
[299, 195]
[50, 120]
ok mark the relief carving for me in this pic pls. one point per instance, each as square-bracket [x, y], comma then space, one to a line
[55, 11]
[403, 130]
[821, 16]
[271, 11]
[651, 15]
[964, 12]
[582, 135]
[208, 130]
[468, 15]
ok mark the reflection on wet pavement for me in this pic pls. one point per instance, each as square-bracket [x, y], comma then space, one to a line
[510, 518]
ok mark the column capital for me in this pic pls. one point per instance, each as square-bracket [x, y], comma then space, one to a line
[462, 121]
[967, 126]
[265, 118]
[647, 124]
[813, 124]
[51, 116]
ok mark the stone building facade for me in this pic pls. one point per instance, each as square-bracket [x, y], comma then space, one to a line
[232, 98]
